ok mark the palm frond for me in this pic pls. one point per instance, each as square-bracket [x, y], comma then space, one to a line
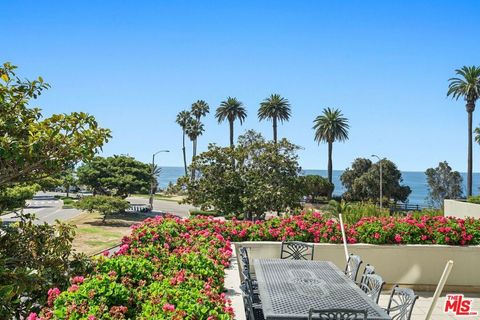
[466, 85]
[231, 109]
[331, 126]
[274, 106]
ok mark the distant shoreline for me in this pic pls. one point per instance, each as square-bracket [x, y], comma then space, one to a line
[416, 180]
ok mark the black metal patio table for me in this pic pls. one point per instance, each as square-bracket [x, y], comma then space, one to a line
[289, 288]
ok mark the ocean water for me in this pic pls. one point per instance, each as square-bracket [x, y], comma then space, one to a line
[415, 180]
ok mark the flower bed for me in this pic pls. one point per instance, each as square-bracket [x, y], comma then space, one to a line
[174, 269]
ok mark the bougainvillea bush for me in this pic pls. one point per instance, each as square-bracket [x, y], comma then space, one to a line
[167, 269]
[171, 268]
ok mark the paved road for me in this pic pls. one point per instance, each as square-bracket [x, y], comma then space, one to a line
[46, 208]
[181, 210]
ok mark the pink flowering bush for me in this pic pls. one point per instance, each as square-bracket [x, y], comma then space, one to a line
[167, 269]
[174, 269]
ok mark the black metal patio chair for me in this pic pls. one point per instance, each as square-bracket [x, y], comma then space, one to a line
[369, 269]
[401, 303]
[353, 266]
[251, 300]
[296, 250]
[372, 285]
[337, 314]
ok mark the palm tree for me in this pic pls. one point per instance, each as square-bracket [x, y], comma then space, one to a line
[274, 108]
[194, 130]
[200, 109]
[329, 127]
[155, 171]
[183, 120]
[231, 110]
[467, 85]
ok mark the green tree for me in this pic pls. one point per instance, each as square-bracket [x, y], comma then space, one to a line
[118, 176]
[443, 183]
[329, 127]
[105, 205]
[33, 259]
[361, 181]
[194, 130]
[184, 118]
[231, 110]
[316, 186]
[14, 198]
[33, 147]
[467, 86]
[68, 179]
[274, 108]
[252, 187]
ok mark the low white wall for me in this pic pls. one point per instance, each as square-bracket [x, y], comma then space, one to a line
[461, 209]
[417, 266]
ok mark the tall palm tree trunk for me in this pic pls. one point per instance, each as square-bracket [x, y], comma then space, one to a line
[330, 164]
[232, 145]
[231, 133]
[470, 155]
[194, 153]
[184, 154]
[275, 129]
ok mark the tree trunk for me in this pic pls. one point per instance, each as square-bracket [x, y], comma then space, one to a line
[470, 156]
[275, 129]
[184, 154]
[232, 144]
[68, 191]
[193, 156]
[330, 165]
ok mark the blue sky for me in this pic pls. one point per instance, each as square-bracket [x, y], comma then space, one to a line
[136, 64]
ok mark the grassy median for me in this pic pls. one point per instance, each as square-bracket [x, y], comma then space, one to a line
[94, 236]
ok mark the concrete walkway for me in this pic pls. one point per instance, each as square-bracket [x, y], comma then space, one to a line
[232, 284]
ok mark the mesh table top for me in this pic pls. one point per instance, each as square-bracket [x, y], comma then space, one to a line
[289, 288]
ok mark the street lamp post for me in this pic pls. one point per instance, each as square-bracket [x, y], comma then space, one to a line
[152, 183]
[381, 184]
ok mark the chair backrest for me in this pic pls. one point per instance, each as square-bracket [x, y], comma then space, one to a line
[245, 259]
[369, 269]
[372, 285]
[352, 267]
[248, 300]
[402, 301]
[337, 314]
[296, 250]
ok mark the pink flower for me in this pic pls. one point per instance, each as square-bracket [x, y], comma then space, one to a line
[91, 317]
[73, 288]
[78, 280]
[168, 307]
[398, 238]
[32, 316]
[53, 293]
[376, 235]
[105, 253]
